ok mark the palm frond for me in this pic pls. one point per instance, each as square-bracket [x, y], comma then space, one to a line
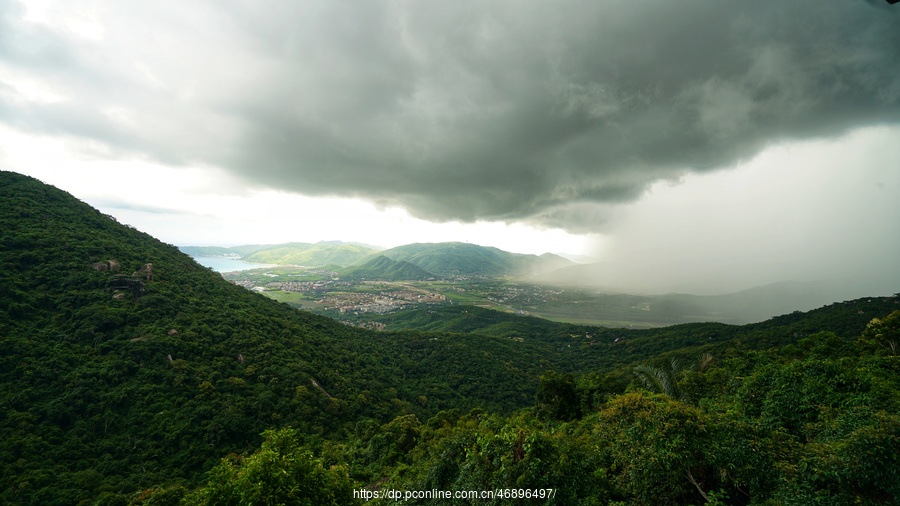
[704, 361]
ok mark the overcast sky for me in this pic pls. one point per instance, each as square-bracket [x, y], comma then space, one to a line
[709, 144]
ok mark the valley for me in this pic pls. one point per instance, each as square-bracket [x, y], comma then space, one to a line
[358, 284]
[324, 290]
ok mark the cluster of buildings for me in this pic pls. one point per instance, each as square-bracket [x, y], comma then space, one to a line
[384, 302]
[306, 286]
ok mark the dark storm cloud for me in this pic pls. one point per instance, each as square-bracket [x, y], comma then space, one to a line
[477, 110]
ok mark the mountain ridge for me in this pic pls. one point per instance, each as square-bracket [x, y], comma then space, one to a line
[465, 259]
[441, 259]
[383, 268]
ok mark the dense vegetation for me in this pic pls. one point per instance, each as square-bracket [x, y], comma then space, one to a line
[116, 378]
[131, 374]
[813, 422]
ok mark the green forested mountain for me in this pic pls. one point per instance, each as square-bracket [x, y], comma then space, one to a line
[383, 268]
[442, 259]
[212, 251]
[132, 375]
[125, 363]
[815, 421]
[207, 251]
[295, 253]
[464, 259]
[312, 255]
[247, 249]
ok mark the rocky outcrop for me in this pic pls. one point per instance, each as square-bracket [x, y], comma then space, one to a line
[146, 272]
[109, 265]
[123, 284]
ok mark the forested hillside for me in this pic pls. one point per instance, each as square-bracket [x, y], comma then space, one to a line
[811, 422]
[385, 269]
[125, 363]
[129, 373]
[310, 254]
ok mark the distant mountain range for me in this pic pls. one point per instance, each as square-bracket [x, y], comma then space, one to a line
[430, 260]
[447, 259]
[296, 253]
[424, 261]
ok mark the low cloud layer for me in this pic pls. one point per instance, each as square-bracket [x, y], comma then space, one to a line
[466, 110]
